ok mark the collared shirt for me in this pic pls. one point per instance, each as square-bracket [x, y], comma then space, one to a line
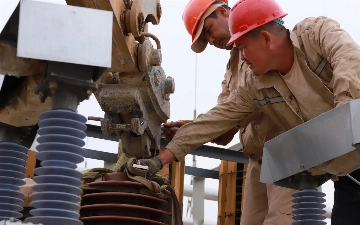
[303, 91]
[314, 39]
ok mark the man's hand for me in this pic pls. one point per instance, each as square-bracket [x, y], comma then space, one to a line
[169, 134]
[154, 165]
[225, 139]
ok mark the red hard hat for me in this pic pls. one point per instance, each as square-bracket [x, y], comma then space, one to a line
[247, 15]
[193, 12]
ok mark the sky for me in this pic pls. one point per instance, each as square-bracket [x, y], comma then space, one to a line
[198, 76]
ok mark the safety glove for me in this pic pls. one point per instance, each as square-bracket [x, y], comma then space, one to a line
[169, 128]
[152, 165]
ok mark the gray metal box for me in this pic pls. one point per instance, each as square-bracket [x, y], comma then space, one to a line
[326, 137]
[64, 33]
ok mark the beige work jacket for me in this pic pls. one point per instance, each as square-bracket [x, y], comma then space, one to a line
[253, 136]
[314, 39]
[234, 68]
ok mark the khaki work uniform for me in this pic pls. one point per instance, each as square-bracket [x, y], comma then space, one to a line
[314, 39]
[262, 203]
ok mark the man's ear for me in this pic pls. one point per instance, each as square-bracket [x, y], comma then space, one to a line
[222, 11]
[266, 37]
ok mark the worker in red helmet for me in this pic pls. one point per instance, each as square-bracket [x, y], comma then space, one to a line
[195, 16]
[261, 202]
[292, 77]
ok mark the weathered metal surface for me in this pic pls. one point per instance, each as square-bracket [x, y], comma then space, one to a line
[326, 144]
[139, 103]
[67, 84]
[134, 92]
[129, 21]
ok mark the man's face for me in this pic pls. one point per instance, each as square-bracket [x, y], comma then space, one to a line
[254, 52]
[216, 30]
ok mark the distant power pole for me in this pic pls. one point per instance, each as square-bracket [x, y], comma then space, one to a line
[190, 203]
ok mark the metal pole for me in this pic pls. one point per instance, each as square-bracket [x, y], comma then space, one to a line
[353, 179]
[198, 200]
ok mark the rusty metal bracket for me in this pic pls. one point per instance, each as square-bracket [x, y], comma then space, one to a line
[141, 12]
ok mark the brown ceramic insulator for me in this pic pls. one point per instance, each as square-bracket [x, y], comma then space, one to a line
[110, 208]
[114, 183]
[119, 176]
[117, 220]
[125, 210]
[117, 179]
[125, 198]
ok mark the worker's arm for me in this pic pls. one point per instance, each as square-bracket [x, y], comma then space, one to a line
[237, 110]
[343, 54]
[230, 79]
[166, 156]
[234, 67]
[225, 138]
[168, 130]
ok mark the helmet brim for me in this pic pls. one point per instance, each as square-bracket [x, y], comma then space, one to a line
[198, 45]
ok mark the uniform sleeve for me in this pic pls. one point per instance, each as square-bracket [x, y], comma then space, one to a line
[233, 111]
[343, 54]
[225, 92]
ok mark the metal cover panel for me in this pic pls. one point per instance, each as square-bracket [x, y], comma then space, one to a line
[319, 140]
[65, 33]
[7, 7]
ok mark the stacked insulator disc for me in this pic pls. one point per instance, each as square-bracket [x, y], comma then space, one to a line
[309, 207]
[12, 170]
[60, 149]
[110, 208]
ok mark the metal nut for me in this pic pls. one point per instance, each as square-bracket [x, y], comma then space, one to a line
[42, 97]
[169, 85]
[156, 57]
[88, 94]
[53, 86]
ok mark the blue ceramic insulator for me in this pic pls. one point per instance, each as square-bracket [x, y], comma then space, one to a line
[309, 207]
[12, 172]
[61, 134]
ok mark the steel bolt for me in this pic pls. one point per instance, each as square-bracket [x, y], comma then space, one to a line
[42, 97]
[53, 86]
[169, 86]
[128, 3]
[156, 57]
